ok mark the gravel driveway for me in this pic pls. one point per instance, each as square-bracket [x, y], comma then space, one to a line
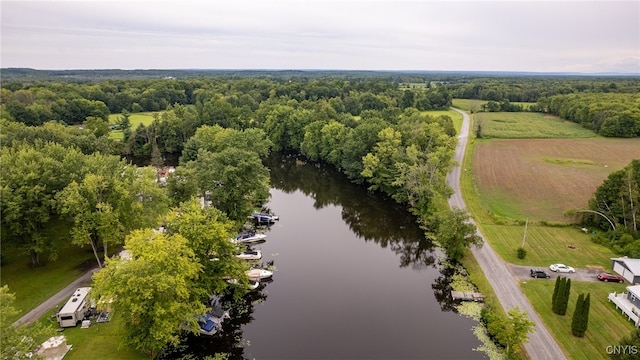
[522, 273]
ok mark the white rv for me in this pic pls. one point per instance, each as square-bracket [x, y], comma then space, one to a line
[75, 309]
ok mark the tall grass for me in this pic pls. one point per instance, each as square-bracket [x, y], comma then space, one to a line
[525, 125]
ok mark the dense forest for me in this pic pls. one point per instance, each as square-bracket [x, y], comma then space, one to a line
[67, 173]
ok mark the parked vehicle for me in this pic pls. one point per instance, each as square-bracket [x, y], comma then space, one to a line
[539, 273]
[561, 268]
[75, 309]
[606, 277]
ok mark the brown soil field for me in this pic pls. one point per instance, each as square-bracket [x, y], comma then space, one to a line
[543, 178]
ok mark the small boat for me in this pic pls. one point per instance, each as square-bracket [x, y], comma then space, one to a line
[249, 238]
[209, 324]
[250, 255]
[264, 217]
[252, 284]
[259, 274]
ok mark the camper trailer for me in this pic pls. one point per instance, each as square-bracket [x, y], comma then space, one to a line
[75, 309]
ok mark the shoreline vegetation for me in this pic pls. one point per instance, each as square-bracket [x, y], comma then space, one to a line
[368, 125]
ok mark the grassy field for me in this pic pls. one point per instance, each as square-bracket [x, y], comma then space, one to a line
[144, 118]
[547, 245]
[525, 125]
[468, 104]
[476, 105]
[606, 324]
[34, 285]
[100, 341]
[542, 179]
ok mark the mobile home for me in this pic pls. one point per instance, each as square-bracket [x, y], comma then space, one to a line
[75, 309]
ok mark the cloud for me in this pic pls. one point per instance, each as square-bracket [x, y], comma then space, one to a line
[430, 35]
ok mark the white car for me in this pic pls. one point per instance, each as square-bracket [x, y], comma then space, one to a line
[562, 268]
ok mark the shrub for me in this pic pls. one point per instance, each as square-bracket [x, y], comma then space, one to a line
[522, 253]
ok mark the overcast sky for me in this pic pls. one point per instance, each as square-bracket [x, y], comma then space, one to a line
[513, 35]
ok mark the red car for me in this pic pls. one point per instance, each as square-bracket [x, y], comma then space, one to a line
[605, 276]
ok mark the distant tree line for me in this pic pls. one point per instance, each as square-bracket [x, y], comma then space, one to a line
[608, 114]
[534, 88]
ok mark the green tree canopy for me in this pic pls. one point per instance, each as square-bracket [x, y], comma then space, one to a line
[110, 200]
[152, 291]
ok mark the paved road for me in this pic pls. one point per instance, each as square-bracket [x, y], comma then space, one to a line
[51, 303]
[541, 344]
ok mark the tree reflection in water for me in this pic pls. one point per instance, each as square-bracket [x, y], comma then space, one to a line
[230, 340]
[371, 216]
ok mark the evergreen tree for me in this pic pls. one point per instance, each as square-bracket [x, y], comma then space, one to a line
[577, 320]
[563, 298]
[556, 289]
[557, 294]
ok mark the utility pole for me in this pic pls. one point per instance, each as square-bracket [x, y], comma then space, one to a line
[525, 232]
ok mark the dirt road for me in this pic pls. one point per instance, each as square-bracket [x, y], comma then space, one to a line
[541, 344]
[51, 303]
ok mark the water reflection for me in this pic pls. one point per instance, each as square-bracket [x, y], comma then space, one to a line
[334, 295]
[230, 340]
[368, 215]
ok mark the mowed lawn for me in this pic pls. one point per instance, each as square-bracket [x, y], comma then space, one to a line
[468, 104]
[144, 118]
[526, 125]
[476, 105]
[33, 285]
[99, 341]
[606, 324]
[548, 245]
[544, 179]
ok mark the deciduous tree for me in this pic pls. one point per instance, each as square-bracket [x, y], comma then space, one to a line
[152, 291]
[18, 342]
[112, 199]
[455, 233]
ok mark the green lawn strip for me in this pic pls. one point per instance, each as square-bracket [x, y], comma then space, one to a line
[502, 207]
[548, 245]
[99, 341]
[526, 125]
[145, 118]
[480, 281]
[606, 324]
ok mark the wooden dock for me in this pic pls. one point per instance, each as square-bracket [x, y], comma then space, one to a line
[467, 296]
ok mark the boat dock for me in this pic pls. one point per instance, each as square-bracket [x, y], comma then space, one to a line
[467, 296]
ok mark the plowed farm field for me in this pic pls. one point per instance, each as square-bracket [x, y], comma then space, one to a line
[541, 179]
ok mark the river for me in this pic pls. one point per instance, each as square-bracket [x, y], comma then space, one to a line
[354, 279]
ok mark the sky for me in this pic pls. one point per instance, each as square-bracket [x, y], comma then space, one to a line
[509, 35]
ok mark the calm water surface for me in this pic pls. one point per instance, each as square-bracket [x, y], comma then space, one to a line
[354, 279]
